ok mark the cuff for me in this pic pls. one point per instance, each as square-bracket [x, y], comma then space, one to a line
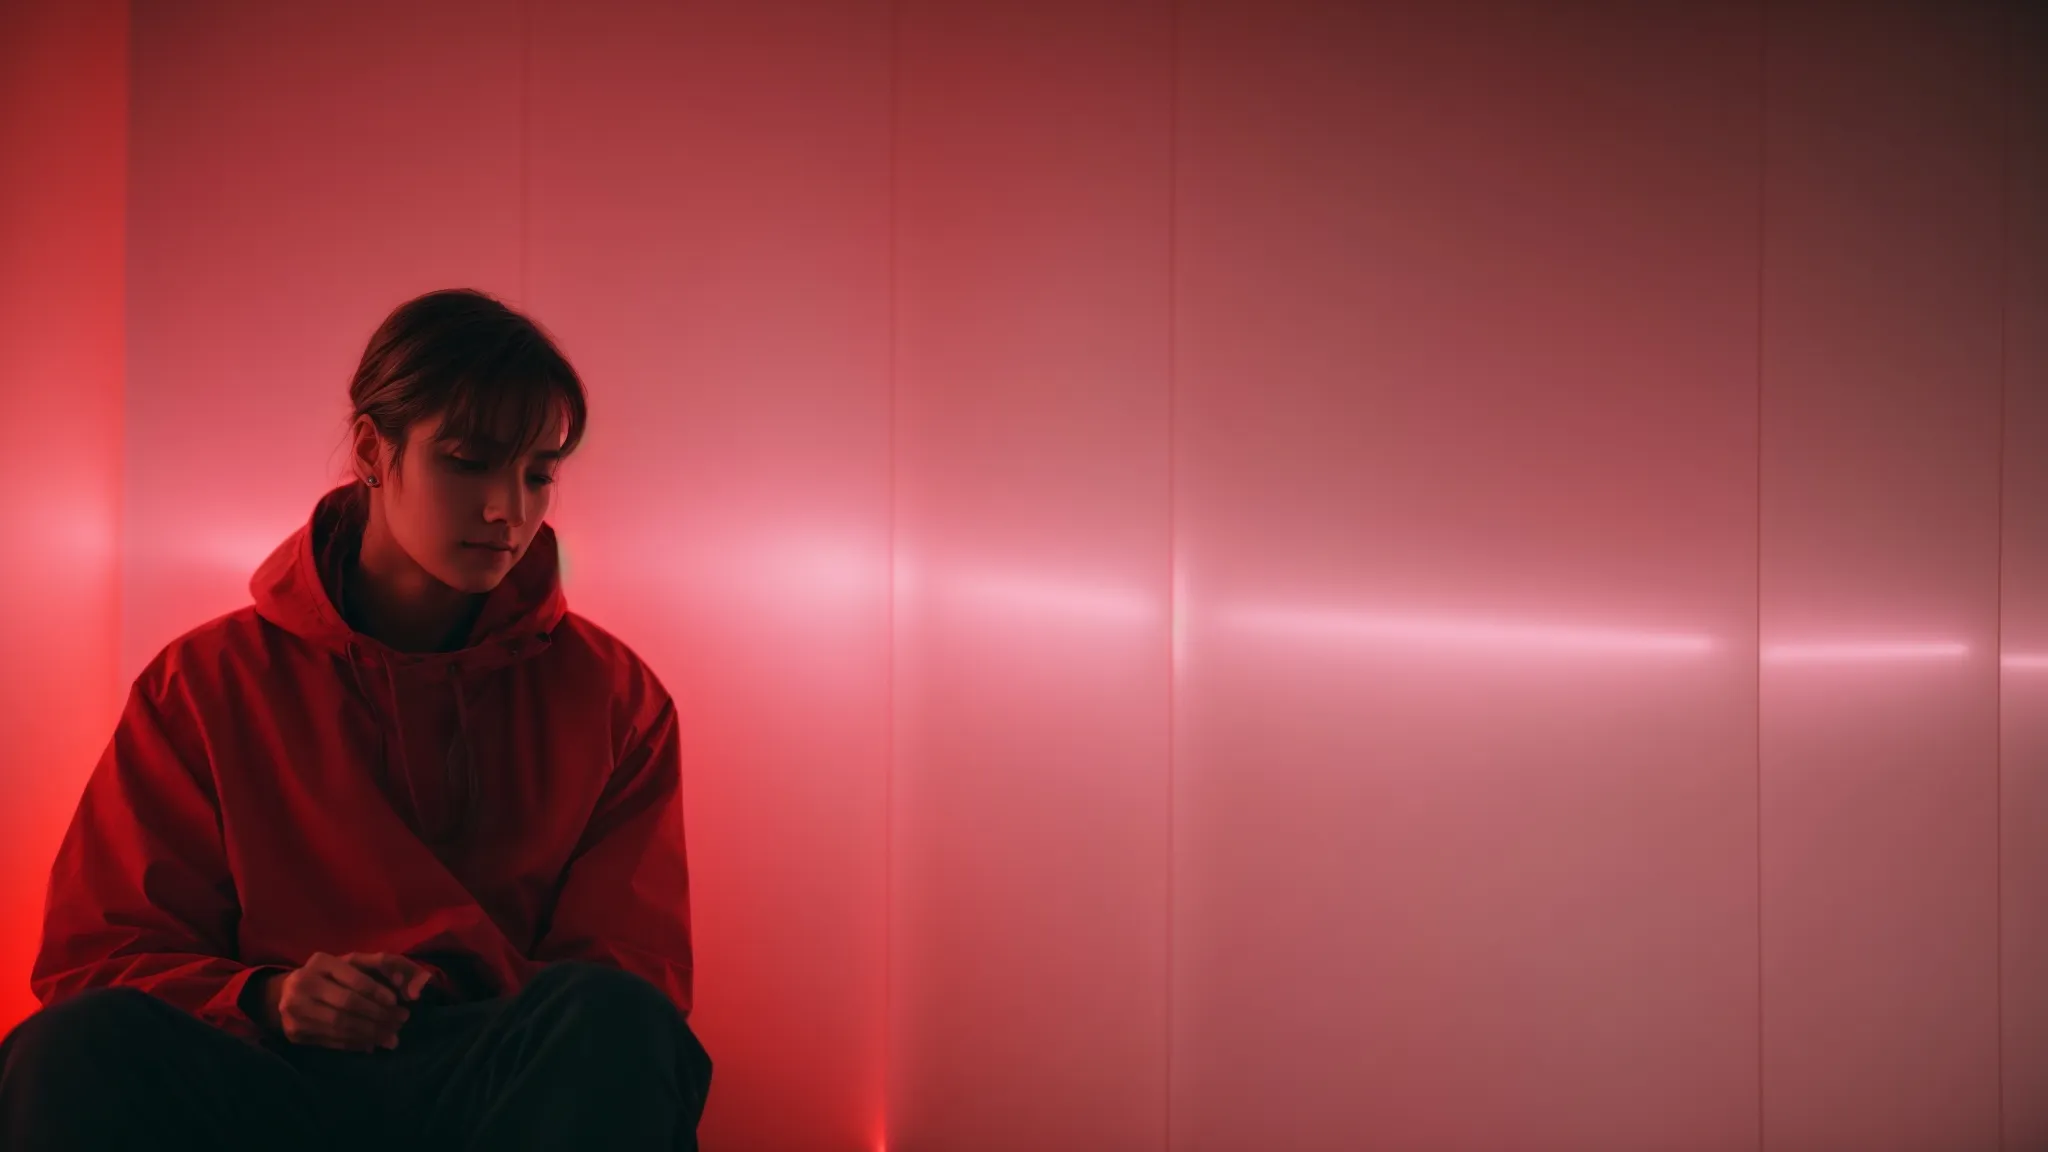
[236, 1004]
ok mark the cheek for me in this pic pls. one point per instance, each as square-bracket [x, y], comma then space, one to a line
[416, 525]
[433, 511]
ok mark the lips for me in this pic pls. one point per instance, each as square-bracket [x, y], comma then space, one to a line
[487, 547]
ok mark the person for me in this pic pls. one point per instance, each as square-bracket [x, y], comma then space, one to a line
[396, 854]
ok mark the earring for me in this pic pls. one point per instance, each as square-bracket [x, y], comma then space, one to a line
[372, 481]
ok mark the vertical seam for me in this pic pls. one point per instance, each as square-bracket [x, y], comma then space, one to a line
[1762, 221]
[1998, 642]
[525, 149]
[1173, 605]
[890, 638]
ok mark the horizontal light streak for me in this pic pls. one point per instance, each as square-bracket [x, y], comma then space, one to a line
[1865, 652]
[1466, 632]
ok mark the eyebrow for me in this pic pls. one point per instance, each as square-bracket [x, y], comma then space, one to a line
[494, 447]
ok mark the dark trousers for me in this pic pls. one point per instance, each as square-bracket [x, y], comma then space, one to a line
[585, 1057]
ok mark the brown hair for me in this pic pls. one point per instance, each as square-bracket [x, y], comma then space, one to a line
[479, 365]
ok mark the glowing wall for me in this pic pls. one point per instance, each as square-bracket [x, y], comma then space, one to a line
[1466, 480]
[1884, 240]
[63, 137]
[2022, 836]
[1279, 575]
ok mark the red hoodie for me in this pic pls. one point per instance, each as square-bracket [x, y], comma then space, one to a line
[280, 784]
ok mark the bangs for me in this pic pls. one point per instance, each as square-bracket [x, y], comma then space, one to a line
[500, 408]
[493, 378]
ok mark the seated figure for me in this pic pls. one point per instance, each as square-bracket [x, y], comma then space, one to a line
[393, 857]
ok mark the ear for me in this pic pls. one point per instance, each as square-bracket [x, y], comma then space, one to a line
[369, 456]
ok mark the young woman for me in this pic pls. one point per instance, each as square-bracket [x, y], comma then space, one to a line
[396, 853]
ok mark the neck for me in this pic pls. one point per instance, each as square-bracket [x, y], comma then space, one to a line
[389, 597]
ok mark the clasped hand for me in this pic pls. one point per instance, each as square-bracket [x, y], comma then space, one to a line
[354, 1002]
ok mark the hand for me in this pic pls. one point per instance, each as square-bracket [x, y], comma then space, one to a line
[404, 975]
[349, 1002]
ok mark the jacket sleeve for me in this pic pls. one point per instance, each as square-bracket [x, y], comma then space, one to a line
[141, 895]
[626, 899]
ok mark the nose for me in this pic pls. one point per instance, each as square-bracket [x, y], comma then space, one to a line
[508, 502]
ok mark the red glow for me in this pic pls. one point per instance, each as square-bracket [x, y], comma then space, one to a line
[1209, 555]
[63, 109]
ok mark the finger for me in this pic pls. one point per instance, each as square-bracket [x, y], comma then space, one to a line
[358, 1031]
[328, 1027]
[352, 976]
[348, 1001]
[417, 985]
[406, 976]
[407, 972]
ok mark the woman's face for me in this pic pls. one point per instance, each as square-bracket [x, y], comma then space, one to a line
[465, 513]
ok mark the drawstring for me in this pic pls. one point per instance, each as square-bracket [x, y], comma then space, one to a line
[466, 820]
[355, 669]
[389, 735]
[386, 718]
[394, 736]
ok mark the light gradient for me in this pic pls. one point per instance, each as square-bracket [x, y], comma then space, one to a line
[1281, 575]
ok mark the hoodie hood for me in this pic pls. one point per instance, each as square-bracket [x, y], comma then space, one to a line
[298, 589]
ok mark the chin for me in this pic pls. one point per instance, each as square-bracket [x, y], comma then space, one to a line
[473, 578]
[474, 584]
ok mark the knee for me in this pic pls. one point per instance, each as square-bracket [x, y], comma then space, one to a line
[601, 991]
[618, 1028]
[91, 1025]
[603, 1002]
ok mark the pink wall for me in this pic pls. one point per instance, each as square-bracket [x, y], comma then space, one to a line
[1241, 575]
[1884, 244]
[708, 231]
[1466, 482]
[296, 170]
[63, 136]
[2023, 604]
